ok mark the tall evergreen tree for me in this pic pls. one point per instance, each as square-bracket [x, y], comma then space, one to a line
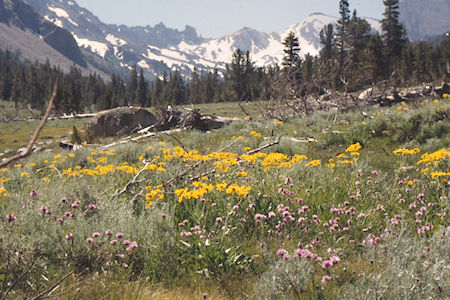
[291, 60]
[393, 34]
[327, 41]
[342, 31]
[141, 93]
[132, 87]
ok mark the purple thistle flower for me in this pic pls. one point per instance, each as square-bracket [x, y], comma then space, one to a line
[132, 246]
[326, 264]
[10, 218]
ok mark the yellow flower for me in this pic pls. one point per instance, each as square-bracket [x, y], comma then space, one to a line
[278, 123]
[243, 174]
[410, 182]
[439, 174]
[24, 174]
[313, 163]
[353, 148]
[84, 144]
[434, 157]
[255, 134]
[405, 151]
[221, 186]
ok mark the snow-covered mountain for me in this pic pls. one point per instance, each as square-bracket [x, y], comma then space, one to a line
[157, 49]
[425, 18]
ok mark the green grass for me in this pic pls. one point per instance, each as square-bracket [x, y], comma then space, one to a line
[225, 244]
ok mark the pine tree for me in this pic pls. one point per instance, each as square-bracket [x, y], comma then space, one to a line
[132, 87]
[342, 32]
[291, 60]
[239, 73]
[373, 57]
[327, 41]
[393, 34]
[141, 92]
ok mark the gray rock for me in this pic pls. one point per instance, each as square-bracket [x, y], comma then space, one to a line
[120, 121]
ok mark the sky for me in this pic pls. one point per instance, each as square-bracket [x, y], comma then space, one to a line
[215, 18]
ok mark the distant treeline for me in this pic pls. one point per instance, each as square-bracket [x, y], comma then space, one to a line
[353, 57]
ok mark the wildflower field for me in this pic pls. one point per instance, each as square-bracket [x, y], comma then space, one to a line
[247, 211]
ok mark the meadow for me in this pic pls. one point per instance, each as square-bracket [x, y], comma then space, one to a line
[249, 211]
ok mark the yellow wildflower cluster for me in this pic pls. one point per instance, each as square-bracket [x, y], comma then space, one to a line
[241, 191]
[354, 148]
[3, 180]
[313, 163]
[153, 194]
[255, 134]
[3, 193]
[224, 160]
[434, 158]
[405, 151]
[201, 189]
[439, 174]
[279, 160]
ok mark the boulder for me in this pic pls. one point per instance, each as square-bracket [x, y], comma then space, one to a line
[120, 121]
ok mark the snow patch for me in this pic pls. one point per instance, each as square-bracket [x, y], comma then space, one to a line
[95, 46]
[61, 13]
[115, 40]
[143, 64]
[55, 21]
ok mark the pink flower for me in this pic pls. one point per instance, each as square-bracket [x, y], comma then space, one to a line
[89, 240]
[10, 218]
[325, 278]
[108, 232]
[132, 246]
[218, 219]
[69, 236]
[113, 242]
[126, 242]
[326, 264]
[119, 235]
[281, 252]
[96, 234]
[335, 259]
[33, 194]
[271, 214]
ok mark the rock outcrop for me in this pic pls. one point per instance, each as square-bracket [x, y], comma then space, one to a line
[120, 121]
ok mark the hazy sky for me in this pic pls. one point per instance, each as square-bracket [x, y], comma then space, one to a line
[214, 18]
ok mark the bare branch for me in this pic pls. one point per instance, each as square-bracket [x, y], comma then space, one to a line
[35, 134]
